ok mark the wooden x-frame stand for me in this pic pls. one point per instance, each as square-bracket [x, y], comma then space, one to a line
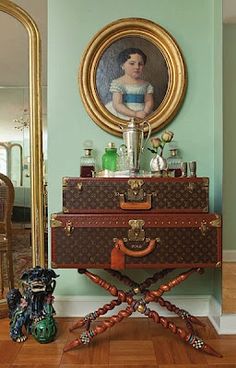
[140, 305]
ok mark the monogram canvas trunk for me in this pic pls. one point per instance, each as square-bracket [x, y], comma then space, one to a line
[132, 241]
[120, 195]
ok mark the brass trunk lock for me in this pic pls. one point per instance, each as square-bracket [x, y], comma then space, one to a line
[136, 233]
[191, 187]
[203, 227]
[69, 228]
[135, 192]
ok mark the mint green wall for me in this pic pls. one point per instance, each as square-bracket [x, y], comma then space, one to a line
[229, 88]
[196, 25]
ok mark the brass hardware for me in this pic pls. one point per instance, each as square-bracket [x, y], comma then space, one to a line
[218, 264]
[190, 186]
[53, 265]
[65, 210]
[135, 184]
[205, 209]
[136, 290]
[216, 222]
[79, 186]
[205, 184]
[69, 228]
[136, 233]
[135, 192]
[134, 195]
[203, 228]
[54, 222]
[65, 182]
[141, 308]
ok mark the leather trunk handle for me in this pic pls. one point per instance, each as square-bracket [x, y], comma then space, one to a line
[135, 205]
[120, 250]
[136, 253]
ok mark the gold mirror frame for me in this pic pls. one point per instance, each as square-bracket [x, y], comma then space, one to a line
[155, 34]
[36, 169]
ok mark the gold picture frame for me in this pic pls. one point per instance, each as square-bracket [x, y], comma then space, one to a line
[167, 70]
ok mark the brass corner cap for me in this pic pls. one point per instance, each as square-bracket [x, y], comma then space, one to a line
[54, 222]
[217, 222]
[65, 181]
[53, 265]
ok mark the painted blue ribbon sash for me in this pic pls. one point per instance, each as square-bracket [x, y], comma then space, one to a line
[133, 98]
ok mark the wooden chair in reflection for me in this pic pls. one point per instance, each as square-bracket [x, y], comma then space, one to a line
[6, 259]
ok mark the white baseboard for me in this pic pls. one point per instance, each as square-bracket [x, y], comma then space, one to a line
[79, 306]
[229, 255]
[197, 305]
[225, 324]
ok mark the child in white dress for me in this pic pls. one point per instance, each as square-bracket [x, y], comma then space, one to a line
[132, 97]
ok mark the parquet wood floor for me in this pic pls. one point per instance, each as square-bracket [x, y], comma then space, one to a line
[135, 342]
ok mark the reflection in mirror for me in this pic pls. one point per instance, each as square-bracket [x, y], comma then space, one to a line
[14, 120]
[14, 133]
[21, 141]
[11, 159]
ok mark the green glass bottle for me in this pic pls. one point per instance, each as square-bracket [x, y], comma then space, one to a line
[109, 158]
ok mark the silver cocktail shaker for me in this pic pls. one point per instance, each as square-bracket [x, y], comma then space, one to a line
[133, 136]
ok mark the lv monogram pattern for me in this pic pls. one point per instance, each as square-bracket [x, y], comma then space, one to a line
[166, 196]
[94, 246]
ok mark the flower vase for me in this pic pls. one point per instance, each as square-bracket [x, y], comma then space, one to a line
[158, 164]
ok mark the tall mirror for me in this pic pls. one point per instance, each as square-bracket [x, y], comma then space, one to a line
[21, 143]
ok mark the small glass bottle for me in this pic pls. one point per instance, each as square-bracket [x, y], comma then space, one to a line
[123, 163]
[110, 157]
[174, 161]
[87, 161]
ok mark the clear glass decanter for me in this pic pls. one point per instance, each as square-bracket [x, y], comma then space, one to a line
[174, 161]
[87, 161]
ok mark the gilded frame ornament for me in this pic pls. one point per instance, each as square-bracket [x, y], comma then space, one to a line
[140, 31]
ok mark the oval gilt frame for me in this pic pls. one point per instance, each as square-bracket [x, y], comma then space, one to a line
[153, 34]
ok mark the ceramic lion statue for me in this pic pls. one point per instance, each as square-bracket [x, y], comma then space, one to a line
[32, 309]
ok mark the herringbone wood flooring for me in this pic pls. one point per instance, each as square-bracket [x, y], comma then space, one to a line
[135, 342]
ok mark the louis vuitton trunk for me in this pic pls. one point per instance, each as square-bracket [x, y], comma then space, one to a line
[117, 195]
[135, 241]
